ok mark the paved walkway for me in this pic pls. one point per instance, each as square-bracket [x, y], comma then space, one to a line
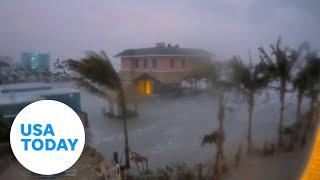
[285, 166]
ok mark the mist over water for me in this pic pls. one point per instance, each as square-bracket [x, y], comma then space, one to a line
[171, 130]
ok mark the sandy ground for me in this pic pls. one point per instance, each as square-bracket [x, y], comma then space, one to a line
[285, 166]
[14, 171]
[85, 168]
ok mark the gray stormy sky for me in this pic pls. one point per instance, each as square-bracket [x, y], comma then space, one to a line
[67, 28]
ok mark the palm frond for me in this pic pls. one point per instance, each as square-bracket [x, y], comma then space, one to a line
[248, 77]
[211, 138]
[281, 62]
[97, 68]
[300, 81]
[92, 89]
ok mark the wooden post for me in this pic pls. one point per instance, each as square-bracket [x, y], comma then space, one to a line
[318, 106]
[147, 166]
[200, 172]
[115, 157]
[219, 154]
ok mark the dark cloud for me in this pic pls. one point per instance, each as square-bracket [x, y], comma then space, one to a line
[230, 27]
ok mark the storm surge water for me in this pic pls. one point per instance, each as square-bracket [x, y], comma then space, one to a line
[171, 130]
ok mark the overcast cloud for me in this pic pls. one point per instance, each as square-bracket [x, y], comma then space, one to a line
[67, 28]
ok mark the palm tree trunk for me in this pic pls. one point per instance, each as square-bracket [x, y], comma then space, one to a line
[250, 111]
[282, 101]
[268, 94]
[312, 101]
[298, 114]
[318, 106]
[122, 104]
[310, 121]
[299, 101]
[219, 155]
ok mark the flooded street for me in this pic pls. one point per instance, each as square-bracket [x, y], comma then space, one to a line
[170, 130]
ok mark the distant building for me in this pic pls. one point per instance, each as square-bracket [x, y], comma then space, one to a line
[155, 69]
[35, 61]
[14, 97]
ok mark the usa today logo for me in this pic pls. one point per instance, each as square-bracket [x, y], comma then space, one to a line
[47, 137]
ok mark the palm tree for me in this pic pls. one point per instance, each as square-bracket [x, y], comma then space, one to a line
[280, 65]
[312, 69]
[59, 66]
[249, 80]
[222, 85]
[96, 73]
[304, 82]
[300, 84]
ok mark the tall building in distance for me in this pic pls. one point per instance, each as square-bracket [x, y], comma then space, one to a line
[35, 61]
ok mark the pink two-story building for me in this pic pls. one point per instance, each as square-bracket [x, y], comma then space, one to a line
[157, 69]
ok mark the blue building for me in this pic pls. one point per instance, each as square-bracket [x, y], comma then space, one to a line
[35, 61]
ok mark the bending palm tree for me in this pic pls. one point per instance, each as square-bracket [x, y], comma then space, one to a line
[213, 74]
[249, 80]
[312, 69]
[220, 165]
[96, 73]
[280, 68]
[300, 84]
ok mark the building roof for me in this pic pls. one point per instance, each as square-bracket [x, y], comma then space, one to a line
[31, 96]
[23, 87]
[163, 51]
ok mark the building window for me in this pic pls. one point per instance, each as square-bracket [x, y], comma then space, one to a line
[172, 63]
[183, 62]
[154, 63]
[145, 86]
[145, 63]
[136, 63]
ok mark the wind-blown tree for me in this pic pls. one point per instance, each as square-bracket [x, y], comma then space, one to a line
[279, 65]
[222, 85]
[312, 69]
[249, 80]
[301, 84]
[96, 74]
[59, 66]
